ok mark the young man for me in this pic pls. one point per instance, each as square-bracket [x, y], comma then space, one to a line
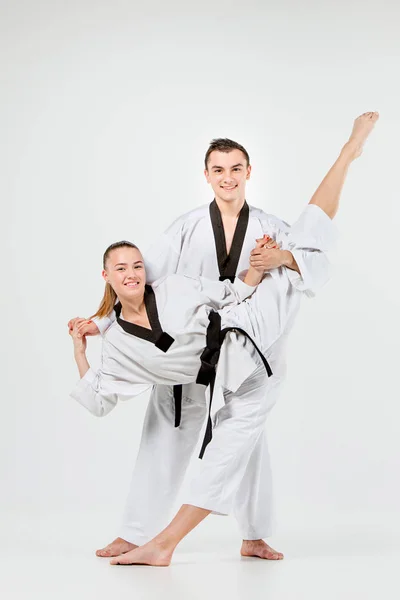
[214, 241]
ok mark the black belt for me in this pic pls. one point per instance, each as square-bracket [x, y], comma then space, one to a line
[209, 359]
[177, 389]
[178, 404]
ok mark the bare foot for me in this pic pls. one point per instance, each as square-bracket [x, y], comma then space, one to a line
[117, 547]
[260, 549]
[153, 553]
[363, 126]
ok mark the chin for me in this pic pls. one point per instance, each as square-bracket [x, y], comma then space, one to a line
[228, 196]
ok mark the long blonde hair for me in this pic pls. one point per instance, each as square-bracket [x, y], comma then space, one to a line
[110, 297]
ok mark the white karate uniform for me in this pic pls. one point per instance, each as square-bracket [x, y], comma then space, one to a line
[189, 247]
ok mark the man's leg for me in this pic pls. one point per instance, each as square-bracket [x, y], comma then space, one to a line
[163, 457]
[253, 506]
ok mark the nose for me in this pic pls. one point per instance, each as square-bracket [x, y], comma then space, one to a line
[130, 273]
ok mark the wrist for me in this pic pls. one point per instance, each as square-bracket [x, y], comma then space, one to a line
[253, 277]
[287, 258]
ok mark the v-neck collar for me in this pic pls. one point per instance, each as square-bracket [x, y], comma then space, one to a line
[228, 263]
[155, 335]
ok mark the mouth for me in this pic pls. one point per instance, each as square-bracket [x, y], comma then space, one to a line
[131, 284]
[229, 188]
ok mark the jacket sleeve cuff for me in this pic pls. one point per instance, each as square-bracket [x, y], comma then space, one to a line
[104, 323]
[243, 290]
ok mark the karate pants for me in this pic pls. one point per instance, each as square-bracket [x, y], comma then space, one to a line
[234, 474]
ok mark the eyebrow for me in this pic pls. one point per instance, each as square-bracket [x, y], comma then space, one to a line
[217, 167]
[138, 262]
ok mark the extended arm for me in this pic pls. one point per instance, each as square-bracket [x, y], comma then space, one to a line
[85, 393]
[100, 391]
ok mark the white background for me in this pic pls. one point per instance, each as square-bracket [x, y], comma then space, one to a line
[107, 110]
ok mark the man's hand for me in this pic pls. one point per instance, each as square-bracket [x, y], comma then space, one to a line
[256, 268]
[266, 255]
[84, 326]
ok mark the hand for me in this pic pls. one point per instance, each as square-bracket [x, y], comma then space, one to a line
[267, 242]
[85, 326]
[266, 255]
[78, 339]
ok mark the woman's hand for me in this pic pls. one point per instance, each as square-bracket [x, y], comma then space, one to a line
[85, 326]
[78, 339]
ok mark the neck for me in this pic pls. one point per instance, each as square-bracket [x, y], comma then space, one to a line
[133, 308]
[231, 208]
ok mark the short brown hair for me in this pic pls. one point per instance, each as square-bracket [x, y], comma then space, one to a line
[225, 145]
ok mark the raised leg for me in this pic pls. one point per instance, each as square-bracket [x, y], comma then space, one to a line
[328, 193]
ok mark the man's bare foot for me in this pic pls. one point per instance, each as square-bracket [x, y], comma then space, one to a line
[363, 126]
[260, 549]
[117, 547]
[153, 553]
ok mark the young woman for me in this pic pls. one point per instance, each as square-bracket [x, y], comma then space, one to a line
[164, 332]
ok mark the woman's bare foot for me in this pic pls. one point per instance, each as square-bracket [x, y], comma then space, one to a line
[153, 553]
[260, 549]
[117, 547]
[363, 126]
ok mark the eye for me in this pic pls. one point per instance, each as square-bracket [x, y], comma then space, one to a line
[121, 269]
[236, 169]
[138, 267]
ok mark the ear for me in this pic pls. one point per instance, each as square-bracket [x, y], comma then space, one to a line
[207, 176]
[104, 275]
[248, 172]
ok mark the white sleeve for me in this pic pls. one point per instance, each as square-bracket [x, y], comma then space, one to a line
[224, 293]
[87, 392]
[309, 239]
[105, 322]
[162, 258]
[100, 396]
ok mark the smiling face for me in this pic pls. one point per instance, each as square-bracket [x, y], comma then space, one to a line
[125, 273]
[227, 172]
